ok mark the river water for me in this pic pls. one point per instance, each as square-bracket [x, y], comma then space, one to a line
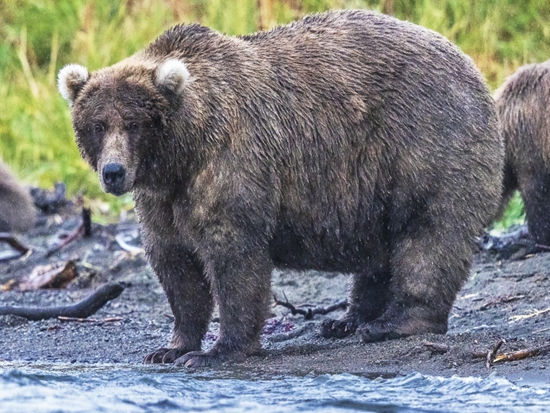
[113, 388]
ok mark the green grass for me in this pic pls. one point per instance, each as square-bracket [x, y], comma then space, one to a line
[38, 37]
[513, 215]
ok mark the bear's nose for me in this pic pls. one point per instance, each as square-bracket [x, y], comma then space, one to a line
[113, 175]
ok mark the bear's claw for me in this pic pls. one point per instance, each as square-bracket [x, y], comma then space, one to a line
[164, 355]
[337, 328]
[197, 359]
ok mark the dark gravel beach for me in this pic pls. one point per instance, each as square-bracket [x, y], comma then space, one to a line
[504, 308]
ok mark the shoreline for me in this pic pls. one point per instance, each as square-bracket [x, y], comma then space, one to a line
[503, 299]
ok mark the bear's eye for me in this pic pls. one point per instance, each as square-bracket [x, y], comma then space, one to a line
[133, 127]
[99, 128]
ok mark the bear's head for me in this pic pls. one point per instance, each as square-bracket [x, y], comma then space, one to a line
[119, 116]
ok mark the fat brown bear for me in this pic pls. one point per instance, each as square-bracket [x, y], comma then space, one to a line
[523, 107]
[347, 141]
[17, 212]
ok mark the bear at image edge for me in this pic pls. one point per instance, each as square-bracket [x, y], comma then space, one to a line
[17, 211]
[523, 103]
[348, 141]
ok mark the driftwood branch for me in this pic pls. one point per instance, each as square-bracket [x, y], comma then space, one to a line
[309, 312]
[90, 320]
[67, 240]
[84, 229]
[543, 247]
[535, 313]
[87, 221]
[82, 309]
[514, 245]
[13, 242]
[522, 354]
[501, 300]
[119, 238]
[492, 353]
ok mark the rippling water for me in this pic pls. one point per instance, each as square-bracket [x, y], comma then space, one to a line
[84, 388]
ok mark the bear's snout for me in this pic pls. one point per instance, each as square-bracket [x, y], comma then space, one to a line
[113, 177]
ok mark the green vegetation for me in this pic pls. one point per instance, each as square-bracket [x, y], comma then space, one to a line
[38, 37]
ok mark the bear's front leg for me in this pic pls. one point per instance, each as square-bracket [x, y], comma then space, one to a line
[240, 279]
[188, 292]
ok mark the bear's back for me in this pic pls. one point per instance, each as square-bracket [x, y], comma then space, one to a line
[355, 110]
[522, 103]
[349, 120]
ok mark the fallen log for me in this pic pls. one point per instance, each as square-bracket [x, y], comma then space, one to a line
[522, 354]
[82, 309]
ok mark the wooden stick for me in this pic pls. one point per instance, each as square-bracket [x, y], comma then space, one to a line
[14, 243]
[543, 247]
[67, 240]
[119, 238]
[82, 309]
[492, 353]
[501, 300]
[310, 312]
[522, 354]
[90, 320]
[84, 229]
[87, 221]
[515, 318]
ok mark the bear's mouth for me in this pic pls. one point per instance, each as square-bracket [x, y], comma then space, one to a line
[116, 191]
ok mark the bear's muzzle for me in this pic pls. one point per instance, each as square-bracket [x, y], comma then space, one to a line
[113, 178]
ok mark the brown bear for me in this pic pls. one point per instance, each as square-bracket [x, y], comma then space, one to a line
[523, 107]
[17, 211]
[348, 141]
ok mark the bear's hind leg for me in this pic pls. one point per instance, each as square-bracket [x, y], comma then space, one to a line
[429, 266]
[188, 293]
[366, 301]
[535, 192]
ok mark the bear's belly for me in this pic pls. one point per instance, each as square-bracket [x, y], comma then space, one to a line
[322, 252]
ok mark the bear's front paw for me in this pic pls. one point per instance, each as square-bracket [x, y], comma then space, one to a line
[337, 328]
[197, 359]
[165, 355]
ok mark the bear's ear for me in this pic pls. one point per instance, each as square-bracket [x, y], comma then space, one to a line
[173, 75]
[70, 81]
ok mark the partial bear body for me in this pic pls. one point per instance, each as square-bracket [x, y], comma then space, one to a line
[523, 107]
[17, 211]
[347, 141]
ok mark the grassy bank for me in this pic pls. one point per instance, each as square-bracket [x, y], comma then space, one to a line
[38, 37]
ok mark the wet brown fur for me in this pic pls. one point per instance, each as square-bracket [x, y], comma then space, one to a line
[523, 107]
[347, 141]
[17, 212]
